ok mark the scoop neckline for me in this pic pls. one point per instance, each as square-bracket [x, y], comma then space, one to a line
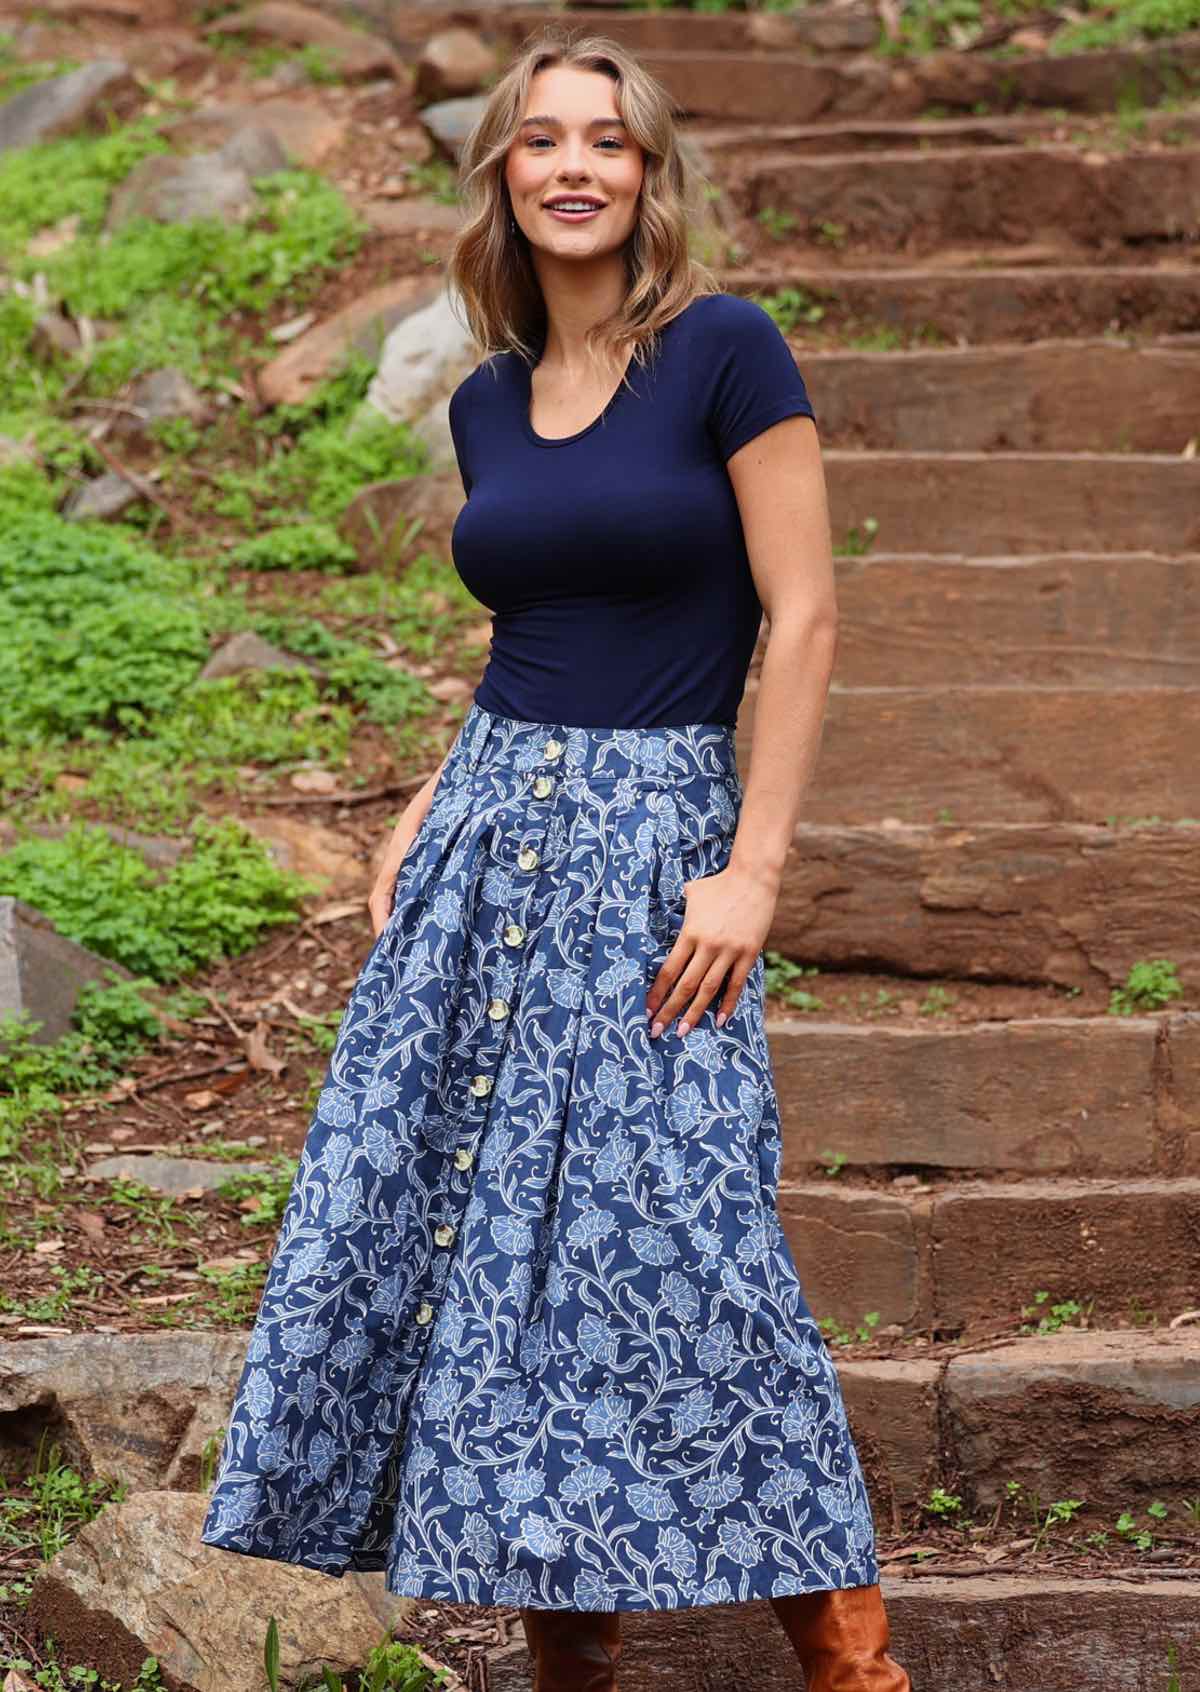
[526, 398]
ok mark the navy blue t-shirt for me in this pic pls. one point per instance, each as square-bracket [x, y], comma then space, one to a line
[614, 559]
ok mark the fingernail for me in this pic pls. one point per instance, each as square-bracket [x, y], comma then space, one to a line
[683, 1029]
[656, 1030]
[721, 1018]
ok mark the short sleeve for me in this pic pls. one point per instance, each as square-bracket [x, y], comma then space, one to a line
[745, 371]
[458, 434]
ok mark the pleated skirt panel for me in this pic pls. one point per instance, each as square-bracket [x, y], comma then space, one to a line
[532, 1333]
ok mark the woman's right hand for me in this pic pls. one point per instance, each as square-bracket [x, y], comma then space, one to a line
[379, 904]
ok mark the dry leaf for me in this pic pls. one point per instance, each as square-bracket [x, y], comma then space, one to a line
[201, 1100]
[259, 1054]
[335, 913]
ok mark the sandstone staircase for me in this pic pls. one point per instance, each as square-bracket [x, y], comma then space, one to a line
[1008, 792]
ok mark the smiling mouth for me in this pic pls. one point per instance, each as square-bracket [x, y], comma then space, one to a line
[573, 216]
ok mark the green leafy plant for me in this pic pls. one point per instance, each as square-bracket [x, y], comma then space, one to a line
[52, 1504]
[942, 1503]
[271, 1654]
[790, 307]
[216, 901]
[296, 546]
[1067, 1312]
[269, 1189]
[779, 976]
[835, 1162]
[1150, 985]
[1063, 1510]
[858, 541]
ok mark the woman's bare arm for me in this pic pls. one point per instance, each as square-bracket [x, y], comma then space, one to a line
[405, 832]
[779, 481]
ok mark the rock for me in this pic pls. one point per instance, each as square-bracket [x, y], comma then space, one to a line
[104, 496]
[306, 134]
[42, 971]
[376, 519]
[82, 99]
[313, 851]
[423, 360]
[249, 651]
[55, 335]
[160, 396]
[362, 325]
[452, 63]
[1109, 1417]
[174, 1175]
[137, 1582]
[1039, 1632]
[218, 184]
[451, 121]
[137, 1408]
[141, 12]
[354, 54]
[414, 216]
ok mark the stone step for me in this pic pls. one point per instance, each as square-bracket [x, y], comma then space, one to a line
[1064, 904]
[1067, 619]
[1108, 1417]
[951, 1258]
[1002, 1633]
[1024, 753]
[721, 143]
[997, 303]
[1049, 396]
[1083, 1096]
[992, 503]
[918, 200]
[766, 87]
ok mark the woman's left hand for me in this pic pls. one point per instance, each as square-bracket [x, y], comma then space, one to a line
[725, 927]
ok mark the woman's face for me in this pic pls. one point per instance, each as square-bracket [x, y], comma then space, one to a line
[573, 143]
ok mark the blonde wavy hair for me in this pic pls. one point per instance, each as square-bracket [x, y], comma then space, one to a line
[490, 267]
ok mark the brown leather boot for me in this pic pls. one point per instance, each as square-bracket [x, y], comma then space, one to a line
[573, 1650]
[841, 1639]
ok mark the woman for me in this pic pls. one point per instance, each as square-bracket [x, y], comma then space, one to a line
[532, 1334]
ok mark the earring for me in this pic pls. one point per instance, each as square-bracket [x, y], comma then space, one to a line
[512, 224]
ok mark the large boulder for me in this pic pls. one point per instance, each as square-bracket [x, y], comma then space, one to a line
[353, 53]
[365, 325]
[205, 185]
[135, 1408]
[137, 1582]
[42, 971]
[423, 360]
[82, 99]
[307, 134]
[452, 63]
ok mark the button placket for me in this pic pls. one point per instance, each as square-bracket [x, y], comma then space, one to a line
[498, 1016]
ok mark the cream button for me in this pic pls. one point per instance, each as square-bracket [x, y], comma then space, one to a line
[553, 749]
[464, 1157]
[481, 1085]
[443, 1234]
[514, 934]
[497, 1009]
[543, 787]
[527, 858]
[424, 1314]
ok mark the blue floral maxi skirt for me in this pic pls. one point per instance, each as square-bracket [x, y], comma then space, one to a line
[532, 1333]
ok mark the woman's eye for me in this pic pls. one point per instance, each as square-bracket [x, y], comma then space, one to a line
[614, 139]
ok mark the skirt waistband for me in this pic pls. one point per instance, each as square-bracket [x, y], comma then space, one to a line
[657, 756]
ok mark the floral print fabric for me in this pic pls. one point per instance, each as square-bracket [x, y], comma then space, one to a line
[532, 1333]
